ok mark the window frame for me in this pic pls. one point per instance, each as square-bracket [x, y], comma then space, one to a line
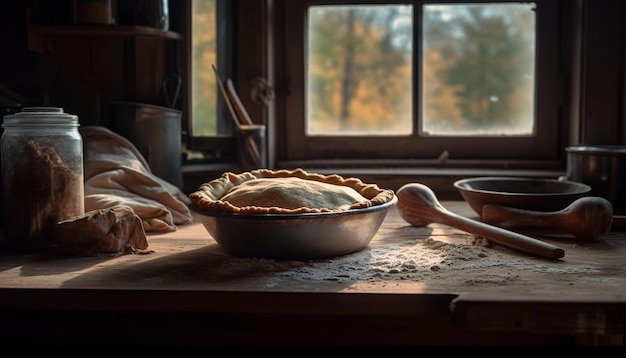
[296, 148]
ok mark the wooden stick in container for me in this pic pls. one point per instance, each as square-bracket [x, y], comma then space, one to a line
[243, 115]
[231, 110]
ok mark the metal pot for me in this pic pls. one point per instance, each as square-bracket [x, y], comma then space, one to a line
[156, 132]
[603, 168]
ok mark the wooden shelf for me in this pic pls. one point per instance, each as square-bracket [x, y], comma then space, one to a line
[106, 63]
[102, 30]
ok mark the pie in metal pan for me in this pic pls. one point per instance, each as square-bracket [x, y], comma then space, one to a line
[290, 214]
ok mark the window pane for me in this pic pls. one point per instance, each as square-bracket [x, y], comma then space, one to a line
[204, 54]
[359, 70]
[478, 69]
[534, 100]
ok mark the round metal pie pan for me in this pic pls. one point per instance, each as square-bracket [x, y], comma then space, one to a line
[295, 236]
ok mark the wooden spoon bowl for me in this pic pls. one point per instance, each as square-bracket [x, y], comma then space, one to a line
[587, 218]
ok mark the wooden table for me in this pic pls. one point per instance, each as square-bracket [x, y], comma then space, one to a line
[412, 286]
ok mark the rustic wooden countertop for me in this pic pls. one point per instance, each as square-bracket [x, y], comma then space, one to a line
[428, 285]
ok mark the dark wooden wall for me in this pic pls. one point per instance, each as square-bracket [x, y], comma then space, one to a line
[82, 68]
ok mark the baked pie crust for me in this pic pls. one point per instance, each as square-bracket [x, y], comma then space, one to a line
[266, 191]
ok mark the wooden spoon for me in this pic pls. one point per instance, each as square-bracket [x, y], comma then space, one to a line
[586, 218]
[418, 206]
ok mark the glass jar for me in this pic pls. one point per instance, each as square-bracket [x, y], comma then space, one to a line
[42, 175]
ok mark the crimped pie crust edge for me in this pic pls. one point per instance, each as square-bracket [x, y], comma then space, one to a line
[208, 196]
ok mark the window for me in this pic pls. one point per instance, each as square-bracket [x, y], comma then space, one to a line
[203, 54]
[209, 128]
[422, 80]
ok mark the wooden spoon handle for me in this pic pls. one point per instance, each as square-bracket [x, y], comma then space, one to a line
[501, 236]
[418, 205]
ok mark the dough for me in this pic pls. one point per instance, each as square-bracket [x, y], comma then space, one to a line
[293, 193]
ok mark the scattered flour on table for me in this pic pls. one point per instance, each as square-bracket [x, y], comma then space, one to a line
[416, 260]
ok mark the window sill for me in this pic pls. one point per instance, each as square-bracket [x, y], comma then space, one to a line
[439, 179]
[439, 174]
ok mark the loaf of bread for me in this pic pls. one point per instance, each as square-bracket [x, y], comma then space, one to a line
[116, 230]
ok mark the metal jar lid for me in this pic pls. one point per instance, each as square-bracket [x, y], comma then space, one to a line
[40, 116]
[598, 149]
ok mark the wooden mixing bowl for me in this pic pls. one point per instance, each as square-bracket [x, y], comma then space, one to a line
[523, 193]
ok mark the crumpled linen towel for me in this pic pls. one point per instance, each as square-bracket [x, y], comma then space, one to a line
[117, 174]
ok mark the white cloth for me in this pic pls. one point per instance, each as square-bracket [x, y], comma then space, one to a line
[117, 174]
